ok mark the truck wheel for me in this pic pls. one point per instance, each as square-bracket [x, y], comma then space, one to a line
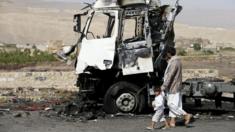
[124, 97]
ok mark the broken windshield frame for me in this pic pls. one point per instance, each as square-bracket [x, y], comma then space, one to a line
[105, 29]
[133, 29]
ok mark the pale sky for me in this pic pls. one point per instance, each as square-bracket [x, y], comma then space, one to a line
[207, 4]
[188, 4]
[193, 4]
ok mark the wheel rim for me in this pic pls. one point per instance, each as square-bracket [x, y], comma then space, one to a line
[126, 102]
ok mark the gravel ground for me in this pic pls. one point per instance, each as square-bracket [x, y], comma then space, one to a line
[34, 122]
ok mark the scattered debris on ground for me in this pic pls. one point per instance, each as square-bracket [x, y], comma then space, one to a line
[79, 109]
[70, 109]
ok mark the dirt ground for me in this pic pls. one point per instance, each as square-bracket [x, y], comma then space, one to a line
[224, 64]
[34, 122]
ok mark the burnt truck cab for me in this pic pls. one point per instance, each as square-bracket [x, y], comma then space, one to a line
[116, 33]
[119, 53]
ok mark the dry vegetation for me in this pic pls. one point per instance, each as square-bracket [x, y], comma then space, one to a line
[18, 58]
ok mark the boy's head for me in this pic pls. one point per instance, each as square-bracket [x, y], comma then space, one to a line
[157, 90]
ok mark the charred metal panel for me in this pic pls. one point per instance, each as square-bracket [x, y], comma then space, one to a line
[135, 58]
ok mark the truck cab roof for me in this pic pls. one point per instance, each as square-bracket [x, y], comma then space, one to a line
[118, 3]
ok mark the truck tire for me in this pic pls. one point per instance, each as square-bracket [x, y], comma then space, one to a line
[124, 97]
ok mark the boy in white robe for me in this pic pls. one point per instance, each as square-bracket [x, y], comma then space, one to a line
[158, 105]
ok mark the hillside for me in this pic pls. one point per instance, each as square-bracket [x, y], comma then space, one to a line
[220, 36]
[37, 22]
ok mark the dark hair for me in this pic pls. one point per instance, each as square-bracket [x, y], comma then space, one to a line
[157, 89]
[170, 50]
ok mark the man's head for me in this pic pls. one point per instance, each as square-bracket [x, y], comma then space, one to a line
[168, 52]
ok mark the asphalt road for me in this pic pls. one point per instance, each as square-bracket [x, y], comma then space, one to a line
[36, 123]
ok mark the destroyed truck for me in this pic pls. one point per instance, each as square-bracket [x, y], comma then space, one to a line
[119, 52]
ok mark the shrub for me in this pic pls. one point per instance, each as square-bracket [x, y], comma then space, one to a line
[181, 52]
[228, 49]
[197, 47]
[208, 52]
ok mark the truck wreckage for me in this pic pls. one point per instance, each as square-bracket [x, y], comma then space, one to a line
[120, 55]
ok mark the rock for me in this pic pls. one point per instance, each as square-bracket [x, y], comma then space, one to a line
[95, 120]
[124, 114]
[231, 117]
[5, 110]
[17, 115]
[1, 114]
[27, 114]
[47, 109]
[196, 116]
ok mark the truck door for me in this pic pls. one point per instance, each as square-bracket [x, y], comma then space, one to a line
[98, 45]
